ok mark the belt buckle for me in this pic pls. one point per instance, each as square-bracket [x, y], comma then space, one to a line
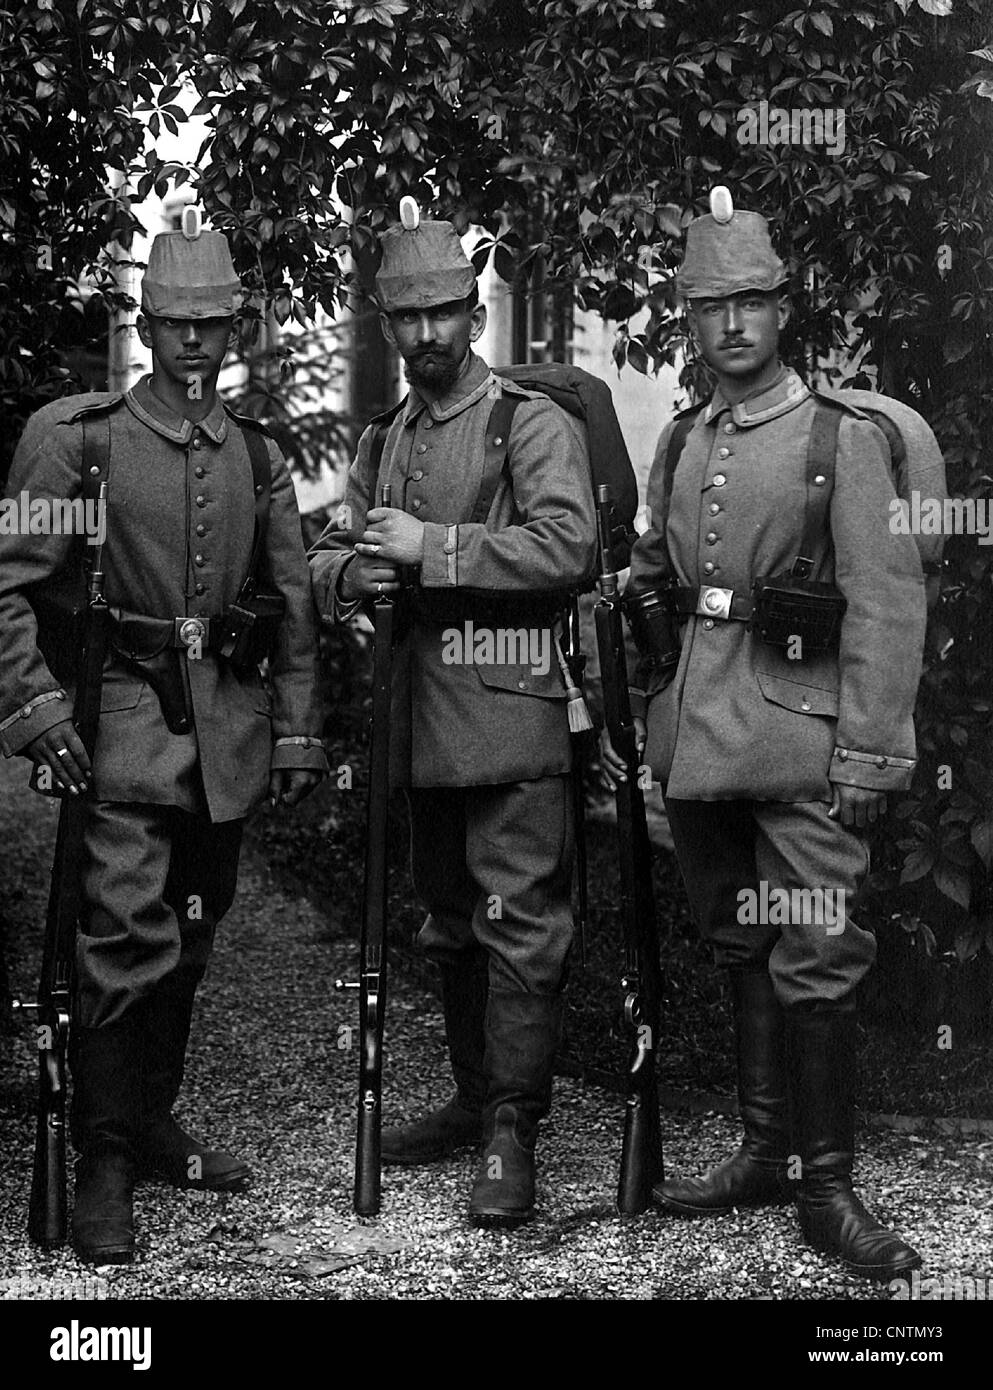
[190, 631]
[713, 602]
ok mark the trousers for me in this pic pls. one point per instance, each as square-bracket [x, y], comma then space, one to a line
[156, 882]
[492, 865]
[750, 868]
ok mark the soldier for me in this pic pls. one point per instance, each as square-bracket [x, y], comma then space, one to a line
[775, 761]
[189, 741]
[481, 745]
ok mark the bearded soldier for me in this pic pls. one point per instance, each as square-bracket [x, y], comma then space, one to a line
[776, 751]
[481, 745]
[190, 737]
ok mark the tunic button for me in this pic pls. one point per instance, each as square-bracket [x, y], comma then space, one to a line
[422, 448]
[805, 705]
[708, 567]
[200, 471]
[820, 480]
[730, 429]
[449, 547]
[882, 762]
[708, 623]
[522, 685]
[714, 508]
[199, 560]
[718, 480]
[429, 424]
[712, 538]
[723, 453]
[416, 505]
[201, 588]
[201, 501]
[842, 755]
[201, 530]
[196, 442]
[417, 475]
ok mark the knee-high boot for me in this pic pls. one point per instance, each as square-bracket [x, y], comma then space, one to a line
[458, 1124]
[522, 1033]
[821, 1068]
[756, 1174]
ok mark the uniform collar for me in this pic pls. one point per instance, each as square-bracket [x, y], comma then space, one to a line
[145, 406]
[782, 395]
[472, 385]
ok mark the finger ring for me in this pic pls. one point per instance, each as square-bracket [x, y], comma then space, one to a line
[62, 752]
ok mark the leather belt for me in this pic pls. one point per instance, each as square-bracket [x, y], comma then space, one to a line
[709, 601]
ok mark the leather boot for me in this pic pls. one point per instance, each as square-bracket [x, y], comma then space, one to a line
[459, 1123]
[104, 1111]
[165, 1150]
[522, 1033]
[756, 1174]
[821, 1068]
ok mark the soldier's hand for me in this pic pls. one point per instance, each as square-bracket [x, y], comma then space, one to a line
[393, 535]
[857, 807]
[61, 749]
[289, 785]
[368, 576]
[613, 768]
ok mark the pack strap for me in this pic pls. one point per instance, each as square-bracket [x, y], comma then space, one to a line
[684, 422]
[495, 455]
[258, 456]
[822, 449]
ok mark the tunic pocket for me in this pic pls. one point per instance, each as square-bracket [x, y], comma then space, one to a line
[800, 696]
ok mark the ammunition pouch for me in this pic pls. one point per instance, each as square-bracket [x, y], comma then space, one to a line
[654, 622]
[494, 607]
[788, 607]
[245, 632]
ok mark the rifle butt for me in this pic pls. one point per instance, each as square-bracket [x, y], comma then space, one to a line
[641, 1153]
[48, 1213]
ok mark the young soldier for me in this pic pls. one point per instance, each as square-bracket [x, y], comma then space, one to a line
[775, 761]
[165, 801]
[482, 748]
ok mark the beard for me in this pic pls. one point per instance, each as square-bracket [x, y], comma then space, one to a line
[437, 370]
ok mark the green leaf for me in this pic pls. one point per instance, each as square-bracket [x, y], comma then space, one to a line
[954, 883]
[981, 836]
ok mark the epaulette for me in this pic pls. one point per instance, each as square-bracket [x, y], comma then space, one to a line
[386, 417]
[108, 401]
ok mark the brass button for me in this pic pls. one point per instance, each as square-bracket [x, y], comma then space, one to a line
[26, 712]
[416, 504]
[196, 442]
[259, 488]
[718, 480]
[522, 685]
[805, 705]
[429, 424]
[201, 588]
[708, 623]
[201, 529]
[422, 448]
[417, 475]
[714, 508]
[200, 471]
[730, 429]
[199, 560]
[842, 755]
[724, 452]
[820, 480]
[95, 470]
[449, 547]
[712, 538]
[201, 501]
[882, 762]
[708, 567]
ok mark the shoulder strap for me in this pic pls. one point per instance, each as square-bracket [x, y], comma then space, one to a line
[254, 436]
[822, 449]
[380, 429]
[495, 453]
[683, 423]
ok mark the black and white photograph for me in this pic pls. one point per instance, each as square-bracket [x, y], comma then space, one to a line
[496, 677]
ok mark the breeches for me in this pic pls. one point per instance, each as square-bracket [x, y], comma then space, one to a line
[752, 871]
[493, 866]
[156, 881]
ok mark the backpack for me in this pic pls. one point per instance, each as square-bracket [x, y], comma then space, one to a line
[579, 394]
[915, 456]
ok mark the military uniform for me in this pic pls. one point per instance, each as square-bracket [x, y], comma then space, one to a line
[483, 749]
[165, 811]
[749, 745]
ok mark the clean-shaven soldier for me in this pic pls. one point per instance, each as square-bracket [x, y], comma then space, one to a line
[189, 741]
[482, 747]
[775, 760]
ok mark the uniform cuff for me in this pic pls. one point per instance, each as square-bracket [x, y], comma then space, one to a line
[32, 719]
[639, 704]
[440, 560]
[302, 752]
[873, 771]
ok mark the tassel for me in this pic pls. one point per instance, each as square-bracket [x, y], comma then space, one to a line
[579, 715]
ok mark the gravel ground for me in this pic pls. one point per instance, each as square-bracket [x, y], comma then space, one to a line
[273, 1077]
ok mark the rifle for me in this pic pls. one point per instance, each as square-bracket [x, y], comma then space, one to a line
[641, 984]
[576, 662]
[47, 1206]
[372, 946]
